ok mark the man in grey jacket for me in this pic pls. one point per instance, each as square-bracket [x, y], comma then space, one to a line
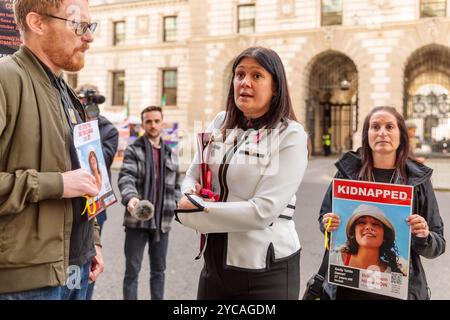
[149, 172]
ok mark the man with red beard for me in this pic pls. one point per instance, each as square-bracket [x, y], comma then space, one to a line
[48, 249]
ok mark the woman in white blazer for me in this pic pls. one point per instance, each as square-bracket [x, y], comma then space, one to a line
[258, 155]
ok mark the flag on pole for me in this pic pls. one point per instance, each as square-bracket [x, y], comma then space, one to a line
[127, 108]
[163, 100]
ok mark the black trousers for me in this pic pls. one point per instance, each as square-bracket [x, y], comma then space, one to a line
[135, 242]
[327, 150]
[281, 281]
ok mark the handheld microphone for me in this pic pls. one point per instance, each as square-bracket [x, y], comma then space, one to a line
[99, 99]
[143, 211]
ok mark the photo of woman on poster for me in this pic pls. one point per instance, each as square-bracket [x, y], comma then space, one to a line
[95, 169]
[370, 242]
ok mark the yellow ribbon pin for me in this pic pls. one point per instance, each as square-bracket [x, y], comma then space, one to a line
[326, 234]
[87, 207]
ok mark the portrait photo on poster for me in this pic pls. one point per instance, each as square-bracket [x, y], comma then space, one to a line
[90, 155]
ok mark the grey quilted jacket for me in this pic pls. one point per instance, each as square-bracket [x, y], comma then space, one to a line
[136, 179]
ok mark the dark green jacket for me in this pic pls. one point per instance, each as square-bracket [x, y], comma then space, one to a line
[35, 222]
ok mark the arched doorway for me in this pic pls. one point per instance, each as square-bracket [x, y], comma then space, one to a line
[426, 99]
[332, 104]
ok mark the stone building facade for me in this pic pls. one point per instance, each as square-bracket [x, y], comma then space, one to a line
[380, 52]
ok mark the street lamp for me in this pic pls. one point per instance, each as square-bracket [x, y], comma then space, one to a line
[345, 84]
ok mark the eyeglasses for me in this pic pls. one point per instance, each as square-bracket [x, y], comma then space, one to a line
[80, 28]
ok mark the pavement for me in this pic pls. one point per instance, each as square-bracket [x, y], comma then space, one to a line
[441, 172]
[183, 271]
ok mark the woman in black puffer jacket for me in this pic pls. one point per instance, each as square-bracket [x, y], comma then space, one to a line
[383, 157]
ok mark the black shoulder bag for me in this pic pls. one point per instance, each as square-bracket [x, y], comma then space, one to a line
[314, 287]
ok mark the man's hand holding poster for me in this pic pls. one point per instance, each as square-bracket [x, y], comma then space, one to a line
[370, 249]
[89, 150]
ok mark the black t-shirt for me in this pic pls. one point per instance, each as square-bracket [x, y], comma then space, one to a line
[384, 175]
[81, 249]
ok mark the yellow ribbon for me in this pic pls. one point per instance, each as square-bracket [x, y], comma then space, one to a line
[326, 234]
[87, 207]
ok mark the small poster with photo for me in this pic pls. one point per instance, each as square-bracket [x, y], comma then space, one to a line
[370, 250]
[9, 32]
[90, 155]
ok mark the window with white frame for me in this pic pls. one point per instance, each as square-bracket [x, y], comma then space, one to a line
[433, 8]
[170, 28]
[331, 12]
[118, 88]
[119, 32]
[246, 18]
[169, 87]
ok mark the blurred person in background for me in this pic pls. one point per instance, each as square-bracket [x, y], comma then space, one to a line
[109, 135]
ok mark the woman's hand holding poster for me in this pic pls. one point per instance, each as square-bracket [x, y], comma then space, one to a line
[370, 249]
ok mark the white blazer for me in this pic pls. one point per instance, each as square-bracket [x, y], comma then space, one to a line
[257, 175]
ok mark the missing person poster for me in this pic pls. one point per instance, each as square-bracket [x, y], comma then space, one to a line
[9, 33]
[89, 150]
[370, 249]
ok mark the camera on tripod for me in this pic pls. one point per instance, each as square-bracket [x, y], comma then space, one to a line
[90, 101]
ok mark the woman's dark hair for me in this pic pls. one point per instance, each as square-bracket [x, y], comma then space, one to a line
[280, 106]
[388, 250]
[366, 152]
[92, 153]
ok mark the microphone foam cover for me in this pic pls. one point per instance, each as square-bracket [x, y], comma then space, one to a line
[143, 211]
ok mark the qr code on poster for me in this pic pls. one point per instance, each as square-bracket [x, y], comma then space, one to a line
[396, 278]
